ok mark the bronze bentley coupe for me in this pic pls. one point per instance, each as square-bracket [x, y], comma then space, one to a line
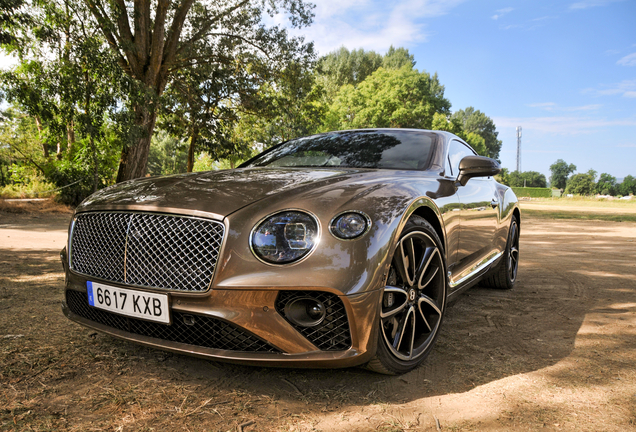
[333, 250]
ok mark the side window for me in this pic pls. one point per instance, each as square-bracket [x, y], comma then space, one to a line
[456, 152]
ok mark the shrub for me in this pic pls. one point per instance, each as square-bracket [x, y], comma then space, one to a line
[532, 192]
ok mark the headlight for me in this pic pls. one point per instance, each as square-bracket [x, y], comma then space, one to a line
[285, 237]
[350, 225]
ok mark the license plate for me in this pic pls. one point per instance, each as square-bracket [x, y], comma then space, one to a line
[138, 304]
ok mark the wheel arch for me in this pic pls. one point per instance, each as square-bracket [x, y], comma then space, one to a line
[431, 217]
[517, 214]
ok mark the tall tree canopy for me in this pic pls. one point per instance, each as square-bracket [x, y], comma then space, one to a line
[581, 184]
[404, 98]
[474, 121]
[155, 40]
[560, 171]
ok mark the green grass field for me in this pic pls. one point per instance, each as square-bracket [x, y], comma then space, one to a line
[585, 202]
[581, 208]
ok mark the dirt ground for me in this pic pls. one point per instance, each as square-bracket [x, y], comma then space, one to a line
[556, 353]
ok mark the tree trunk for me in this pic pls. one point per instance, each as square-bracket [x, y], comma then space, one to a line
[193, 143]
[70, 136]
[45, 149]
[134, 158]
[95, 173]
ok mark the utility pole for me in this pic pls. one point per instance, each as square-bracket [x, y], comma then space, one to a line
[519, 149]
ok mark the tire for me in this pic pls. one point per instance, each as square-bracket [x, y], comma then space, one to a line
[504, 275]
[413, 301]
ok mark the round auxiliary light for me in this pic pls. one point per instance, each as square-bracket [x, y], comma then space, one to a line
[285, 237]
[350, 225]
[305, 311]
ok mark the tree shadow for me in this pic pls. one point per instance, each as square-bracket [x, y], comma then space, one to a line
[567, 317]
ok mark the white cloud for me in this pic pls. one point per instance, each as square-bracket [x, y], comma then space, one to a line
[351, 23]
[625, 88]
[628, 60]
[551, 106]
[563, 125]
[586, 4]
[501, 12]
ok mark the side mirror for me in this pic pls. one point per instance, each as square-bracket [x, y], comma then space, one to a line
[476, 166]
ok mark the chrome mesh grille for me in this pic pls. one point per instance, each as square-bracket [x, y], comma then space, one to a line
[147, 249]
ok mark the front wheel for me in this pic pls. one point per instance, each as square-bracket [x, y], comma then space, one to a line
[413, 301]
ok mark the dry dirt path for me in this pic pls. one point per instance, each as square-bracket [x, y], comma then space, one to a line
[556, 353]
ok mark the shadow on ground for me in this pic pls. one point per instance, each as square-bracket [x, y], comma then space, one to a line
[569, 317]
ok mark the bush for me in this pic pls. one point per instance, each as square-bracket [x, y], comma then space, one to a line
[532, 192]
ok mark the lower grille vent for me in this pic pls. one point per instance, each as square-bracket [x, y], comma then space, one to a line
[332, 334]
[189, 329]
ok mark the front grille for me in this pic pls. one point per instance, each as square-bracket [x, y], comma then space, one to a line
[332, 334]
[147, 249]
[201, 331]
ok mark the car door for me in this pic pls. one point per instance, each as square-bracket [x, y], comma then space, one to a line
[478, 216]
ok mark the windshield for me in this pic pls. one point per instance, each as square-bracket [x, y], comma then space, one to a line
[401, 150]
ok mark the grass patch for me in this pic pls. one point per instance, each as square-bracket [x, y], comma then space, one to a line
[585, 202]
[556, 214]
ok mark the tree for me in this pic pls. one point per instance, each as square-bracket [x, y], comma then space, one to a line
[389, 98]
[67, 81]
[12, 16]
[474, 121]
[627, 186]
[560, 171]
[581, 184]
[156, 46]
[606, 185]
[503, 177]
[397, 58]
[342, 67]
[446, 123]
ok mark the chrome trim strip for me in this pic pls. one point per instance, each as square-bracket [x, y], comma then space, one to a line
[70, 238]
[475, 270]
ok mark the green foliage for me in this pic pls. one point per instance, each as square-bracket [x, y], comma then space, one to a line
[503, 177]
[342, 67]
[581, 184]
[168, 155]
[560, 171]
[606, 185]
[532, 192]
[627, 186]
[403, 98]
[474, 121]
[205, 162]
[528, 179]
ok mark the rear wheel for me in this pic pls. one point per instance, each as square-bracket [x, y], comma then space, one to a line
[413, 301]
[504, 275]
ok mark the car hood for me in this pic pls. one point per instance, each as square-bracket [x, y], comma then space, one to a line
[211, 193]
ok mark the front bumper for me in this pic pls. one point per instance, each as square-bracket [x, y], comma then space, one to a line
[252, 312]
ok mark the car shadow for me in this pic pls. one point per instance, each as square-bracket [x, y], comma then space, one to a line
[573, 286]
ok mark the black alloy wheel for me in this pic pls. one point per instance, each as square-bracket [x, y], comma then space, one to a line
[413, 301]
[504, 275]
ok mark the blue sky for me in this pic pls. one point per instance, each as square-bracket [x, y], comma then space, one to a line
[565, 71]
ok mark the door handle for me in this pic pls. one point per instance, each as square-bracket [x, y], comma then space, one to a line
[494, 203]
